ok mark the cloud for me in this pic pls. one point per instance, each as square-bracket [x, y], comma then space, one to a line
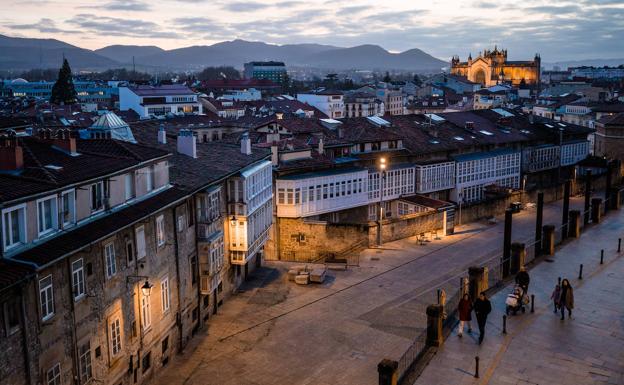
[44, 25]
[485, 4]
[245, 6]
[113, 26]
[121, 5]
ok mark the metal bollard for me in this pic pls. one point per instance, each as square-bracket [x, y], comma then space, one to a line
[504, 324]
[476, 367]
[532, 303]
[619, 245]
[581, 272]
[601, 256]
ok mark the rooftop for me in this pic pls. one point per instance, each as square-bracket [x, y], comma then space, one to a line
[162, 90]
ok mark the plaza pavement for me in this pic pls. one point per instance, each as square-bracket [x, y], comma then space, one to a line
[539, 348]
[275, 332]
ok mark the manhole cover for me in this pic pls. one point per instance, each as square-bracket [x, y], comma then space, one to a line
[374, 258]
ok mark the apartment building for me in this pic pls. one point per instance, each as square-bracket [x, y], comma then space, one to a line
[329, 102]
[150, 101]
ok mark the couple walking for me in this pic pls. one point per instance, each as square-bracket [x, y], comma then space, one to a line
[482, 307]
[563, 298]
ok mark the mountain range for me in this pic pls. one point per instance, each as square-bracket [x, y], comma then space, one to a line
[24, 53]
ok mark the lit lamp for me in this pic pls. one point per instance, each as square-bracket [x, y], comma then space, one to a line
[382, 168]
[146, 289]
[233, 220]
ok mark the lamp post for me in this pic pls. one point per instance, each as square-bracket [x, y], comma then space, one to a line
[382, 169]
[146, 291]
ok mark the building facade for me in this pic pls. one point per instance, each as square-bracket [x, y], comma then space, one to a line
[271, 70]
[331, 103]
[151, 101]
[492, 67]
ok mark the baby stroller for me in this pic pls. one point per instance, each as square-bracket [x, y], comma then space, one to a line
[516, 300]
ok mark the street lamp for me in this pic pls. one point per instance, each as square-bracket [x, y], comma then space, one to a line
[233, 221]
[382, 169]
[146, 289]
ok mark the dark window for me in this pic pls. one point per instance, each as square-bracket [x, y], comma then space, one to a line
[12, 315]
[146, 362]
[206, 301]
[195, 314]
[98, 352]
[165, 345]
[362, 147]
[129, 252]
[194, 270]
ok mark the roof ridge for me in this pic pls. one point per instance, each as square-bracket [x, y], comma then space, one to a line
[40, 166]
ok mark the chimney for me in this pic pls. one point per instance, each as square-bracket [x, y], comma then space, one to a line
[246, 144]
[11, 153]
[274, 154]
[162, 134]
[321, 149]
[65, 141]
[187, 143]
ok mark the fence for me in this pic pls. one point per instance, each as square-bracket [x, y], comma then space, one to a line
[498, 274]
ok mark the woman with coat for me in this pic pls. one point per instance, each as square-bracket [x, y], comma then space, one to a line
[482, 308]
[566, 298]
[464, 309]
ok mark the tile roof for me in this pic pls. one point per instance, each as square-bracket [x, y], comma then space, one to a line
[215, 160]
[82, 236]
[12, 273]
[97, 157]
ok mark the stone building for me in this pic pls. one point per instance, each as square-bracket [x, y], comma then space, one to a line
[492, 67]
[609, 136]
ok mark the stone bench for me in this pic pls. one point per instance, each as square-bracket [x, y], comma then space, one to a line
[336, 264]
[318, 275]
[302, 278]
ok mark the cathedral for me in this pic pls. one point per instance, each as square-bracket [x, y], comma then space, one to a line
[492, 67]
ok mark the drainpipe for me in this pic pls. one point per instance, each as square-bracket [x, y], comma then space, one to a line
[179, 322]
[29, 379]
[73, 325]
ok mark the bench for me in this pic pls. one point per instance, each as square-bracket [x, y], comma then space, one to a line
[318, 275]
[303, 278]
[336, 264]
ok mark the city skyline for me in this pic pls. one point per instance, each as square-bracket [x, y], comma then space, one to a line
[565, 31]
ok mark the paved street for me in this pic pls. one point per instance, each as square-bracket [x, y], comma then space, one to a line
[540, 348]
[276, 332]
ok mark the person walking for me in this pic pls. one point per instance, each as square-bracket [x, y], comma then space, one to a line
[482, 308]
[464, 309]
[555, 297]
[523, 279]
[566, 298]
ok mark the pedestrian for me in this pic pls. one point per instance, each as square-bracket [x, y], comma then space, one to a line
[523, 279]
[482, 308]
[555, 297]
[566, 298]
[464, 309]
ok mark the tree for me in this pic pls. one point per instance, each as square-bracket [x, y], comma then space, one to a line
[63, 91]
[387, 78]
[215, 73]
[417, 80]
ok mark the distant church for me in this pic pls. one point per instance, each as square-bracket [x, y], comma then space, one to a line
[492, 67]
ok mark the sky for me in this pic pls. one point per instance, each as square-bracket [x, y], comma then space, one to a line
[558, 30]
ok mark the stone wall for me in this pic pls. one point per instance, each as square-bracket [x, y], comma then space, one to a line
[406, 226]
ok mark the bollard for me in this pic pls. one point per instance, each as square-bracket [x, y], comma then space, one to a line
[619, 245]
[581, 272]
[601, 256]
[387, 370]
[574, 227]
[559, 281]
[504, 324]
[518, 256]
[548, 240]
[596, 210]
[532, 303]
[476, 367]
[434, 325]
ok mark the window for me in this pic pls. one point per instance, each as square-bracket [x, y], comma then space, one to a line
[115, 336]
[78, 283]
[165, 294]
[68, 208]
[130, 186]
[53, 376]
[146, 312]
[165, 344]
[12, 310]
[150, 178]
[146, 362]
[46, 298]
[111, 263]
[85, 363]
[280, 196]
[46, 215]
[97, 196]
[140, 242]
[14, 225]
[129, 252]
[160, 230]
